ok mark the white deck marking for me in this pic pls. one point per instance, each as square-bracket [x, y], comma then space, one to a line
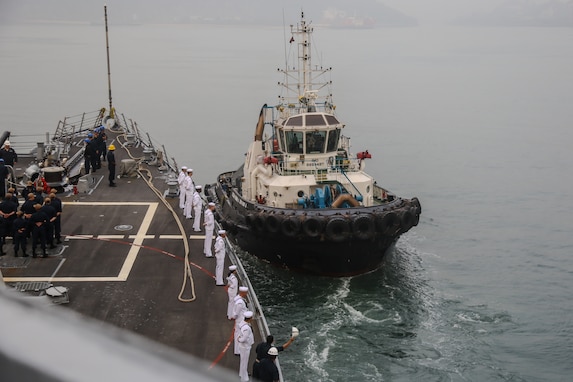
[144, 237]
[171, 237]
[111, 237]
[138, 241]
[131, 255]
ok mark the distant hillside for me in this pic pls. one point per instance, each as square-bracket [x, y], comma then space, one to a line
[539, 13]
[336, 13]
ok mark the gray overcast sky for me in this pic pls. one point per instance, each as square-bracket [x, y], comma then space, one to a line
[440, 10]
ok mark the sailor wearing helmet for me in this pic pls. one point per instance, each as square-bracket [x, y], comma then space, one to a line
[8, 154]
[89, 152]
[268, 370]
[220, 256]
[111, 164]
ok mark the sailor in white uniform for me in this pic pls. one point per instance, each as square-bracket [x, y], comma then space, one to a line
[220, 256]
[197, 208]
[232, 289]
[246, 340]
[189, 191]
[181, 180]
[239, 309]
[209, 224]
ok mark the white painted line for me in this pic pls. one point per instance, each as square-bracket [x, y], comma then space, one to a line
[131, 255]
[138, 241]
[116, 237]
[144, 236]
[171, 237]
[62, 261]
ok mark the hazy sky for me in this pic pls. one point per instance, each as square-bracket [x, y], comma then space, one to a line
[440, 10]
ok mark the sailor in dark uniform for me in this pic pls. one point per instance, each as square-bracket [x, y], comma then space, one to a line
[262, 351]
[51, 213]
[8, 154]
[7, 215]
[38, 221]
[57, 204]
[111, 165]
[89, 154]
[3, 175]
[20, 229]
[268, 370]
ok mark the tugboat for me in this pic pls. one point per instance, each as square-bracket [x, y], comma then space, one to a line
[301, 200]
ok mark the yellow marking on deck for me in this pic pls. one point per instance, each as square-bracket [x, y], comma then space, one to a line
[171, 237]
[131, 255]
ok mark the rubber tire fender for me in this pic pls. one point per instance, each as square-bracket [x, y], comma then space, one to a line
[259, 222]
[290, 226]
[406, 220]
[337, 229]
[274, 223]
[388, 223]
[312, 226]
[363, 227]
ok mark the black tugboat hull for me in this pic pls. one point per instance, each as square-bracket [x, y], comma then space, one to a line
[330, 242]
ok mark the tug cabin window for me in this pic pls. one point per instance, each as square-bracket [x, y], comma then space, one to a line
[333, 136]
[315, 142]
[294, 141]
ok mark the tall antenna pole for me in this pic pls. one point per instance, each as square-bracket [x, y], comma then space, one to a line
[108, 66]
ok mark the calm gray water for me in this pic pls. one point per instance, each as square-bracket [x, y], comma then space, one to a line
[477, 123]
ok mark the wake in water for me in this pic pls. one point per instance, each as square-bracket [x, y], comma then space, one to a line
[390, 324]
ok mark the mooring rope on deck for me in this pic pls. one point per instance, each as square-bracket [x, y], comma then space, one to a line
[187, 274]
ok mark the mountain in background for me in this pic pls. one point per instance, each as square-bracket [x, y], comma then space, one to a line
[335, 13]
[537, 13]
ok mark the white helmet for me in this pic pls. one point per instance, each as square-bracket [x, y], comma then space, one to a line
[273, 351]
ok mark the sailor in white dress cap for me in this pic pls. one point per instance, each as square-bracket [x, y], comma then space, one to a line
[220, 256]
[181, 181]
[209, 224]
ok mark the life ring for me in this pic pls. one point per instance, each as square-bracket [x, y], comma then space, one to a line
[406, 220]
[273, 223]
[337, 229]
[387, 223]
[363, 227]
[259, 222]
[290, 226]
[312, 227]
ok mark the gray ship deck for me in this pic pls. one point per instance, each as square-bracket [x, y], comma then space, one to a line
[123, 259]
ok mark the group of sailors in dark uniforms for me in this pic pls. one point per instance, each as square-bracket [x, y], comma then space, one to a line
[95, 149]
[38, 218]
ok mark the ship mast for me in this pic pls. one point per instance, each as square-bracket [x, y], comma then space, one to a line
[304, 82]
[108, 65]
